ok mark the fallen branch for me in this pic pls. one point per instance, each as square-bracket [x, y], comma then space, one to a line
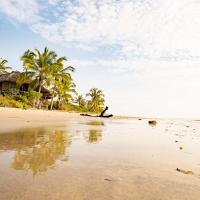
[101, 115]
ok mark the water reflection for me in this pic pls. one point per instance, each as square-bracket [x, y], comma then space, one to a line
[36, 150]
[95, 123]
[94, 136]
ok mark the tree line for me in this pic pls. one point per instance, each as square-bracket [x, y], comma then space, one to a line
[47, 69]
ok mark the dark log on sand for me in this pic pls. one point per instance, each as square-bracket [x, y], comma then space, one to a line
[106, 116]
[101, 115]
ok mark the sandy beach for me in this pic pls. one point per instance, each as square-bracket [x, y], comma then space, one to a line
[59, 155]
[20, 118]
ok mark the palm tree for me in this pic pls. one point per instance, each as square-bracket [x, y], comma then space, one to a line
[3, 66]
[40, 68]
[60, 79]
[37, 66]
[96, 102]
[64, 89]
[80, 101]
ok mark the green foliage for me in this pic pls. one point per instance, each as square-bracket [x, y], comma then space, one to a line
[61, 82]
[11, 102]
[29, 97]
[37, 66]
[67, 106]
[80, 101]
[5, 91]
[46, 103]
[3, 66]
[22, 99]
[46, 69]
[96, 102]
[32, 95]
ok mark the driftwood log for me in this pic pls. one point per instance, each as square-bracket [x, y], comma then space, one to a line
[101, 115]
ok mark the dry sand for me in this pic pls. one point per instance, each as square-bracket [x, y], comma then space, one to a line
[12, 118]
[59, 155]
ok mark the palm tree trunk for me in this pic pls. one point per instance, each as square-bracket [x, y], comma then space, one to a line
[58, 103]
[52, 98]
[39, 90]
[51, 103]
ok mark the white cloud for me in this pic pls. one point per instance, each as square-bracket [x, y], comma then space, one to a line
[157, 38]
[145, 70]
[153, 29]
[149, 29]
[21, 10]
[53, 2]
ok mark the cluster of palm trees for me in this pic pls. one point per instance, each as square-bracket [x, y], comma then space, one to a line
[46, 69]
[94, 104]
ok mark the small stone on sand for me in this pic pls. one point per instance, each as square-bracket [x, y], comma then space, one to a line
[107, 179]
[153, 122]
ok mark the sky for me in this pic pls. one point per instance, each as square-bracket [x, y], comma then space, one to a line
[143, 54]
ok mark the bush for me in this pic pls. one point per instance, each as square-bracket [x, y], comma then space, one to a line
[46, 104]
[22, 99]
[32, 95]
[29, 97]
[67, 106]
[10, 102]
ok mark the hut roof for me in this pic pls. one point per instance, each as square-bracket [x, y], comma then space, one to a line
[10, 77]
[43, 89]
[14, 75]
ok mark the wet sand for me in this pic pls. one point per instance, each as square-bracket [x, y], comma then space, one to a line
[58, 155]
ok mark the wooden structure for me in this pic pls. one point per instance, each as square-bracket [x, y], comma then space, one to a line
[8, 85]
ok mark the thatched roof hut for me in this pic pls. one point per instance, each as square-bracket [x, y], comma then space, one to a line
[10, 77]
[8, 83]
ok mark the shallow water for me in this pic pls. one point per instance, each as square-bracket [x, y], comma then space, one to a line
[102, 159]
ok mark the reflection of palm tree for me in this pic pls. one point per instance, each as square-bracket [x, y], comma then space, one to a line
[36, 150]
[94, 136]
[43, 155]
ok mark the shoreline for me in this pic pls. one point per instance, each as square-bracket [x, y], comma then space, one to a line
[20, 118]
[30, 118]
[74, 113]
[9, 109]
